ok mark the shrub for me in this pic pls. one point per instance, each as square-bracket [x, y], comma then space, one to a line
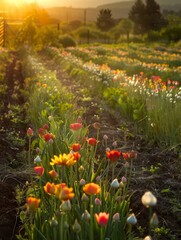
[67, 41]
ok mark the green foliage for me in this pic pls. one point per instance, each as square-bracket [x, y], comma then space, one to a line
[126, 103]
[48, 36]
[67, 41]
[28, 32]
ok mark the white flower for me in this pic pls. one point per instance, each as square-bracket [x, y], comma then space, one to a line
[148, 199]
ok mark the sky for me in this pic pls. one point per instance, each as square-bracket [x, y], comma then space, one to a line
[73, 3]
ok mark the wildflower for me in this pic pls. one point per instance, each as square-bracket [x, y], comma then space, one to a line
[32, 203]
[116, 217]
[50, 188]
[63, 160]
[76, 147]
[97, 202]
[29, 132]
[102, 218]
[76, 226]
[39, 170]
[113, 155]
[91, 188]
[37, 159]
[75, 126]
[154, 221]
[132, 219]
[92, 141]
[65, 206]
[63, 192]
[48, 137]
[53, 173]
[86, 216]
[148, 199]
[115, 183]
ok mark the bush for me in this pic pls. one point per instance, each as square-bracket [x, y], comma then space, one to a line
[67, 41]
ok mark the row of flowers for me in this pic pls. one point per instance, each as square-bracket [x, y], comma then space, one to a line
[78, 195]
[74, 193]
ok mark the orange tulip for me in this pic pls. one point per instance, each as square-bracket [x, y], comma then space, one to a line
[53, 174]
[50, 188]
[32, 203]
[63, 192]
[102, 218]
[91, 188]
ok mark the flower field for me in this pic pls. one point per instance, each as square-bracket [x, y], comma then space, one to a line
[100, 144]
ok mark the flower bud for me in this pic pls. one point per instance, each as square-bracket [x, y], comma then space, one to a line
[115, 217]
[54, 222]
[154, 221]
[65, 206]
[82, 182]
[37, 159]
[29, 132]
[105, 137]
[98, 178]
[132, 219]
[148, 199]
[115, 183]
[81, 168]
[114, 144]
[86, 216]
[85, 198]
[123, 179]
[76, 226]
[97, 202]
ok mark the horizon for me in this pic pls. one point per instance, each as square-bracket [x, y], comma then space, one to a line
[74, 3]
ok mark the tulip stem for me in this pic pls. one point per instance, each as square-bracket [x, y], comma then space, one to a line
[91, 218]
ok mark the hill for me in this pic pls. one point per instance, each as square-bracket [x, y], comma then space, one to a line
[119, 10]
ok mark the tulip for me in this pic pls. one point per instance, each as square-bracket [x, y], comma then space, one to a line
[148, 199]
[102, 218]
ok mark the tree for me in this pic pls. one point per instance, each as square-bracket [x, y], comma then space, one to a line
[105, 20]
[125, 26]
[153, 17]
[137, 14]
[146, 16]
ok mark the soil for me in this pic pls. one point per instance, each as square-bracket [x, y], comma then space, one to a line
[156, 168]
